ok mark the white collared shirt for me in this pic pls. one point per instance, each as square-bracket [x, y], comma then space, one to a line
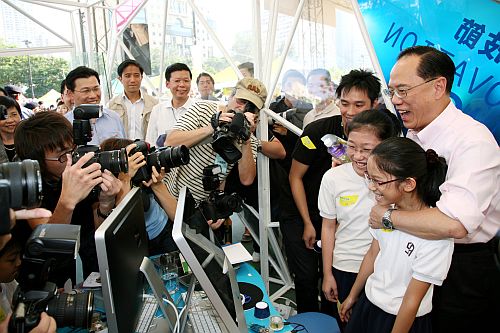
[134, 114]
[163, 118]
[471, 191]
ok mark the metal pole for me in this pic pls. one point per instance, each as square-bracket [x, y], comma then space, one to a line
[163, 45]
[27, 42]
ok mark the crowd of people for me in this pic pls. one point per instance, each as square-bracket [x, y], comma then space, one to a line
[407, 225]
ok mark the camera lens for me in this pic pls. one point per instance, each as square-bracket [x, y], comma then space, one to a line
[72, 309]
[172, 157]
[230, 202]
[25, 182]
[114, 160]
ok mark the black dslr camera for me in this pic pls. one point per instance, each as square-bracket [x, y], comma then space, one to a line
[35, 294]
[167, 157]
[20, 187]
[218, 205]
[114, 160]
[227, 135]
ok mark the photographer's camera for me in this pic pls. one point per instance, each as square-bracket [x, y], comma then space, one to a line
[114, 160]
[227, 136]
[219, 204]
[166, 157]
[20, 187]
[47, 245]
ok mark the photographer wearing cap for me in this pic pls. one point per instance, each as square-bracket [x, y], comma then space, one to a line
[196, 129]
[47, 137]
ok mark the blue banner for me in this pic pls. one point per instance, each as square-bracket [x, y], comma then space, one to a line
[468, 31]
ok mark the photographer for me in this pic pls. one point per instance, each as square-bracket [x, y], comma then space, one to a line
[84, 87]
[10, 260]
[195, 129]
[10, 250]
[159, 204]
[47, 137]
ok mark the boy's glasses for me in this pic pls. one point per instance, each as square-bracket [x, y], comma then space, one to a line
[63, 157]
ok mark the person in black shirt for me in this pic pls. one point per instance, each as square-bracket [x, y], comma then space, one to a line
[301, 224]
[48, 138]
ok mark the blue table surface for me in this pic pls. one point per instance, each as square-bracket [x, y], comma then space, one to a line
[244, 273]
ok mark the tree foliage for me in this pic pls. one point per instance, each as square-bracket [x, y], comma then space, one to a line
[47, 73]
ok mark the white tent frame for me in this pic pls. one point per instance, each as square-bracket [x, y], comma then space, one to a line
[262, 70]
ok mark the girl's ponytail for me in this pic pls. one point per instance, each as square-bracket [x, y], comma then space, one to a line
[435, 176]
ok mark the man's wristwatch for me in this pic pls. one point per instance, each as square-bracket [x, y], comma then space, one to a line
[386, 220]
[259, 146]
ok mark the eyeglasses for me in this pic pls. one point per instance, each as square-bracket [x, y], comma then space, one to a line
[87, 91]
[370, 180]
[403, 93]
[361, 151]
[61, 158]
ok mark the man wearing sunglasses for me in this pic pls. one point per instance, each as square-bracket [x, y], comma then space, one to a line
[469, 208]
[47, 137]
[84, 87]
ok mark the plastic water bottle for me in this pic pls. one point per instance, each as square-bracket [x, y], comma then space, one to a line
[337, 147]
[171, 280]
[170, 273]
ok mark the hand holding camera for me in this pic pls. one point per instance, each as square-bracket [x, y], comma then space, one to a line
[79, 179]
[164, 157]
[136, 160]
[110, 187]
[229, 134]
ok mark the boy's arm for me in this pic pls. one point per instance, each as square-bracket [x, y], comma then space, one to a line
[297, 173]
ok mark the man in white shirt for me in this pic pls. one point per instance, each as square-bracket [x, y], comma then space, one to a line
[178, 78]
[469, 207]
[133, 106]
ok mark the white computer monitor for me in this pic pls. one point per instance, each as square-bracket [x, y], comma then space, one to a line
[122, 244]
[209, 264]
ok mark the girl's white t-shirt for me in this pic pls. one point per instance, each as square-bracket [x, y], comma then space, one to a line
[344, 196]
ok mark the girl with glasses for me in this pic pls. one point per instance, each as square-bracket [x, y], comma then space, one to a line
[399, 270]
[344, 203]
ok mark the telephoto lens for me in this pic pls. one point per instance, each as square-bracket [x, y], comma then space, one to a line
[73, 310]
[115, 161]
[24, 181]
[169, 157]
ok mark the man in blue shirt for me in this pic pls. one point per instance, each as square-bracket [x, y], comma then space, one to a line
[84, 88]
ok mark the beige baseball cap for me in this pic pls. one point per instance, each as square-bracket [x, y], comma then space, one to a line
[252, 90]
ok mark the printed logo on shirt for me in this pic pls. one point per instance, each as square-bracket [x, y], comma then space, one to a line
[348, 200]
[409, 248]
[307, 142]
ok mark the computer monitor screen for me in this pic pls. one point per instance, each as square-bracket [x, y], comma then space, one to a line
[209, 264]
[122, 243]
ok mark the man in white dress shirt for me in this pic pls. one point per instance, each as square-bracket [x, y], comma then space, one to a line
[178, 78]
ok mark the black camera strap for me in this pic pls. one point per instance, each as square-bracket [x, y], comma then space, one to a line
[214, 121]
